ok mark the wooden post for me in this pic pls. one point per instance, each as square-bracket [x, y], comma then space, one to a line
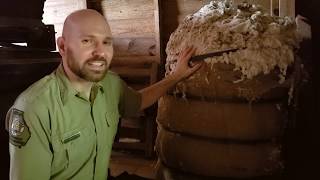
[274, 7]
[157, 28]
[287, 8]
[96, 5]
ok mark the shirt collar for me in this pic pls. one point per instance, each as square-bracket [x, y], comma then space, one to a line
[65, 87]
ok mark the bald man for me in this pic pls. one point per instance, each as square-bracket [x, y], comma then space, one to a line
[63, 126]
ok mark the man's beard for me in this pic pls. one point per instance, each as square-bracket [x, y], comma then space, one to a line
[85, 72]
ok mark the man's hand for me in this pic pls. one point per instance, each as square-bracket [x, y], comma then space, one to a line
[183, 70]
[152, 93]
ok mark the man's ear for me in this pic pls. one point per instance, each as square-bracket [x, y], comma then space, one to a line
[61, 45]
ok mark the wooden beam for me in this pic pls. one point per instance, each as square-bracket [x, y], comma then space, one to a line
[138, 86]
[157, 28]
[124, 9]
[274, 7]
[96, 5]
[183, 6]
[29, 61]
[134, 61]
[134, 46]
[287, 8]
[131, 72]
[121, 145]
[143, 27]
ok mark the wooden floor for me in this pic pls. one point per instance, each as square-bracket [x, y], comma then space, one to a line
[132, 164]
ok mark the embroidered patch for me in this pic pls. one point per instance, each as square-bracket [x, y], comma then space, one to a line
[19, 133]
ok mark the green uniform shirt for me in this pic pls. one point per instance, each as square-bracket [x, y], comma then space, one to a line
[56, 133]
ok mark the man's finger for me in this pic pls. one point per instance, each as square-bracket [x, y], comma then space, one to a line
[190, 51]
[189, 55]
[193, 69]
[195, 64]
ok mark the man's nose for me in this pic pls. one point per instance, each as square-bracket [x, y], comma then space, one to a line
[99, 50]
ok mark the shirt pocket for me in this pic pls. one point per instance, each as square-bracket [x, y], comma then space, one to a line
[80, 146]
[112, 120]
[60, 160]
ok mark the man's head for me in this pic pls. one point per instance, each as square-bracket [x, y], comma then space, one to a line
[86, 46]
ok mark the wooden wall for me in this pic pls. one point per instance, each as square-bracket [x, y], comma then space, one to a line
[135, 31]
[133, 27]
[55, 12]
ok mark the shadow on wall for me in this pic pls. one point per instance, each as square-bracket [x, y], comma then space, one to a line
[21, 22]
[16, 74]
[169, 27]
[303, 150]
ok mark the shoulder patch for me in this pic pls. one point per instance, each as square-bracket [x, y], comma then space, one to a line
[19, 132]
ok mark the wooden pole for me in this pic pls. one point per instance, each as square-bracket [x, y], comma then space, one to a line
[287, 8]
[274, 9]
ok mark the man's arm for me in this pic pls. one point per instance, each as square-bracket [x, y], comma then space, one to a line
[152, 93]
[30, 155]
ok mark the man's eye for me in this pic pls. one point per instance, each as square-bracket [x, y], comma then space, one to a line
[86, 41]
[107, 42]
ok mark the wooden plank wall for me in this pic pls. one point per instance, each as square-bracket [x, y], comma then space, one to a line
[287, 8]
[136, 51]
[133, 27]
[135, 30]
[55, 12]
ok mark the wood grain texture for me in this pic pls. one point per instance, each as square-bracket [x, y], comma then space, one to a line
[55, 12]
[132, 27]
[287, 8]
[164, 172]
[131, 72]
[239, 121]
[217, 159]
[126, 9]
[130, 18]
[134, 61]
[134, 47]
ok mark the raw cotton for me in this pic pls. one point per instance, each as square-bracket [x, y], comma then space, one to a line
[265, 42]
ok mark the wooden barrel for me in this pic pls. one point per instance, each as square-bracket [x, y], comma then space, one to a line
[166, 173]
[222, 119]
[229, 115]
[220, 81]
[217, 159]
[224, 129]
